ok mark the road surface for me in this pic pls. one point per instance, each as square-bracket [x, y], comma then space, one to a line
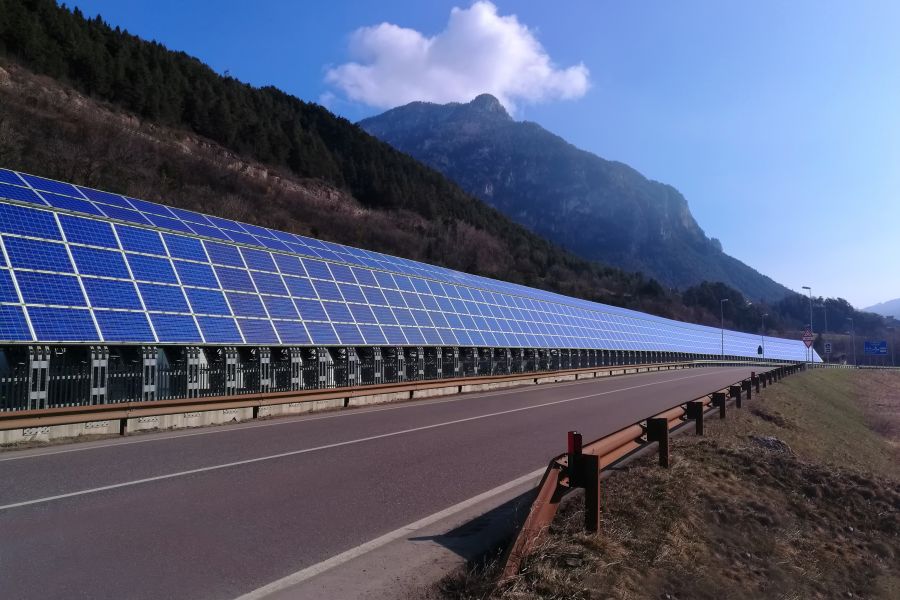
[220, 512]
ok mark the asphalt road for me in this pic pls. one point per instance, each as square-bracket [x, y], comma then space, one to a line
[219, 512]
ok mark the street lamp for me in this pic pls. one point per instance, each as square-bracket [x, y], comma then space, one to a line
[809, 350]
[853, 339]
[762, 336]
[722, 311]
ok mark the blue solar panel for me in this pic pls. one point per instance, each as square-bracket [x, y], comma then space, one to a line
[349, 334]
[257, 331]
[21, 220]
[291, 332]
[327, 290]
[246, 305]
[384, 315]
[48, 288]
[124, 214]
[235, 279]
[182, 247]
[269, 283]
[337, 311]
[35, 254]
[164, 298]
[362, 313]
[7, 290]
[258, 260]
[168, 223]
[425, 298]
[17, 193]
[109, 293]
[10, 177]
[195, 274]
[310, 310]
[317, 269]
[221, 254]
[242, 238]
[63, 325]
[105, 197]
[121, 326]
[394, 335]
[13, 327]
[150, 208]
[151, 268]
[175, 328]
[73, 204]
[210, 302]
[322, 333]
[219, 330]
[103, 263]
[88, 231]
[280, 308]
[289, 265]
[351, 293]
[300, 287]
[48, 185]
[140, 240]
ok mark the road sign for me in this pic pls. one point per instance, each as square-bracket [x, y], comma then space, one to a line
[878, 348]
[808, 338]
[827, 347]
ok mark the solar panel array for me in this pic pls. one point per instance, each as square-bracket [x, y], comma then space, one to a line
[79, 265]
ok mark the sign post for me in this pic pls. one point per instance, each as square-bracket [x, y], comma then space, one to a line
[808, 339]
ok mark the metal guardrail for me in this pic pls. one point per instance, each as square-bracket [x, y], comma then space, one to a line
[581, 465]
[123, 411]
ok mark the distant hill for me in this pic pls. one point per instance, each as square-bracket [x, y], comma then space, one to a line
[599, 209]
[891, 308]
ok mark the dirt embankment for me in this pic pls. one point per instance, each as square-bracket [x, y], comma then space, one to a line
[795, 496]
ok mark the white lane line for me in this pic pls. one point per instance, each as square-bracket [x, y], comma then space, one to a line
[407, 530]
[381, 436]
[165, 436]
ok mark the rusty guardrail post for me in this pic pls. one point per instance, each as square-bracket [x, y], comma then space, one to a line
[718, 400]
[694, 410]
[755, 379]
[658, 431]
[584, 472]
[735, 391]
[747, 386]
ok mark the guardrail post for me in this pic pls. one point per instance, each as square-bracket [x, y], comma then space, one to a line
[574, 456]
[735, 392]
[589, 476]
[658, 431]
[718, 399]
[755, 379]
[747, 386]
[694, 410]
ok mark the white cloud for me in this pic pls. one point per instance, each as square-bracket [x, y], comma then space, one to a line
[479, 51]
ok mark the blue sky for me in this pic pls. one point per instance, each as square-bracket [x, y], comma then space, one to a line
[778, 121]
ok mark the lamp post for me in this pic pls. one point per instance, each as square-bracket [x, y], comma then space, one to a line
[762, 336]
[810, 350]
[722, 302]
[852, 339]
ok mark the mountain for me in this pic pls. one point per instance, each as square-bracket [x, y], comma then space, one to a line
[85, 102]
[891, 308]
[599, 209]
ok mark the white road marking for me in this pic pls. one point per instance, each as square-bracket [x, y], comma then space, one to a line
[334, 445]
[406, 530]
[165, 436]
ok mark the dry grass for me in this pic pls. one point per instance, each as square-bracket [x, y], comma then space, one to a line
[735, 518]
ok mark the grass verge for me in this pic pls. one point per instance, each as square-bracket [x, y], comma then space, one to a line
[795, 496]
